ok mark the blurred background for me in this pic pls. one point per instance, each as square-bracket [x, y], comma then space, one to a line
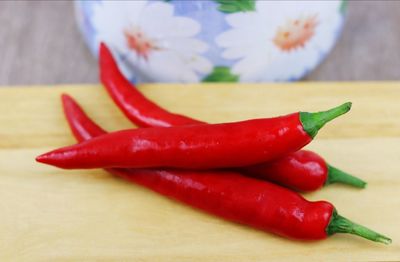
[41, 44]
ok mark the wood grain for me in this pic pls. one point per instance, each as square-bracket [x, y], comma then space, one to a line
[51, 214]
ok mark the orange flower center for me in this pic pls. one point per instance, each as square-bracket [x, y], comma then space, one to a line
[138, 42]
[295, 33]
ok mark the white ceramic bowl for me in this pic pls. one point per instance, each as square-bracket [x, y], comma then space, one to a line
[213, 40]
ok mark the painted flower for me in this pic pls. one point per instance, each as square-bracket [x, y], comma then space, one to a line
[151, 41]
[280, 41]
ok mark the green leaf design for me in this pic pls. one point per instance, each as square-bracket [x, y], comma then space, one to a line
[221, 74]
[343, 6]
[233, 6]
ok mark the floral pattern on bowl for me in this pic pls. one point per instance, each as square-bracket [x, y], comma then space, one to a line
[213, 40]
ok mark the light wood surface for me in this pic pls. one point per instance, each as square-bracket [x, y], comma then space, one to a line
[41, 44]
[49, 214]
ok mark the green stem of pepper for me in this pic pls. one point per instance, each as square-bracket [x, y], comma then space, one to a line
[339, 224]
[338, 176]
[312, 122]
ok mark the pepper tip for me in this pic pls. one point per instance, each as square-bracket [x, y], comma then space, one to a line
[103, 49]
[42, 158]
[65, 97]
[46, 158]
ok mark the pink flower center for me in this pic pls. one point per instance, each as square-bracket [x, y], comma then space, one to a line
[139, 42]
[295, 33]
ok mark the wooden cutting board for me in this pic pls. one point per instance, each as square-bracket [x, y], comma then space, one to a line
[50, 214]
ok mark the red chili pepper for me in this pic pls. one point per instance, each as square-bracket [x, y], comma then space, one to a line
[137, 108]
[237, 198]
[201, 146]
[302, 170]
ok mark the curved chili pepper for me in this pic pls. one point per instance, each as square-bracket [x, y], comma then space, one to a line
[302, 170]
[138, 109]
[201, 146]
[237, 198]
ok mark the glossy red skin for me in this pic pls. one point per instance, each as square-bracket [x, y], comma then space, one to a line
[201, 146]
[302, 170]
[138, 109]
[229, 195]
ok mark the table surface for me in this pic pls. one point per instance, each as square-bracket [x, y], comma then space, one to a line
[51, 214]
[40, 44]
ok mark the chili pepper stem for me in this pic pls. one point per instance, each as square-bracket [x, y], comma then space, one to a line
[312, 122]
[338, 176]
[339, 224]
